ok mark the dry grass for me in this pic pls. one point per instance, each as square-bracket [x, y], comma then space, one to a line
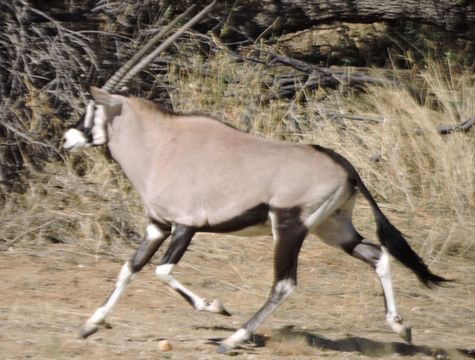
[424, 182]
[85, 201]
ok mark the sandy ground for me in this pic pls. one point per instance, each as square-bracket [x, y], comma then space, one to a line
[337, 311]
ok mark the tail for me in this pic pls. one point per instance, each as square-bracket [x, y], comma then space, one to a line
[392, 239]
[388, 235]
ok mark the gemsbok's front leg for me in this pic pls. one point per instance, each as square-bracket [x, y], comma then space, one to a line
[181, 238]
[154, 237]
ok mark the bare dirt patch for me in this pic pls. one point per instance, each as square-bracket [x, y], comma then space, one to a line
[336, 312]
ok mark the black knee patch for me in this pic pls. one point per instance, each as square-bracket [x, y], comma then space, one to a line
[143, 254]
[368, 252]
[348, 247]
[181, 238]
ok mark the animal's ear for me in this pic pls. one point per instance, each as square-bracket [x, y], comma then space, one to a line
[102, 97]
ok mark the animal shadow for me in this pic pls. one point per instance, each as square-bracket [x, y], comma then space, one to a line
[370, 347]
[356, 344]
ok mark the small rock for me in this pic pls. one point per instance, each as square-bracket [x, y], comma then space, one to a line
[164, 345]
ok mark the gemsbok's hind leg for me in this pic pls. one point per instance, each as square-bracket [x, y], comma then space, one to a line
[154, 237]
[338, 230]
[288, 233]
[378, 258]
[181, 238]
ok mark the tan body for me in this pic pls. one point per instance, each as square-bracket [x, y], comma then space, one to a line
[195, 174]
[191, 177]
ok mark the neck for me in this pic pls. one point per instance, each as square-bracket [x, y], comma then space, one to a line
[134, 138]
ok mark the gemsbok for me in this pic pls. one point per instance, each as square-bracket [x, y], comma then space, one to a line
[197, 174]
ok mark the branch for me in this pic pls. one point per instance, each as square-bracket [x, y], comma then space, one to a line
[372, 119]
[253, 18]
[441, 129]
[312, 77]
[463, 127]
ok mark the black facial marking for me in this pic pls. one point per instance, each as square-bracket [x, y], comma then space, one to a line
[87, 131]
[254, 216]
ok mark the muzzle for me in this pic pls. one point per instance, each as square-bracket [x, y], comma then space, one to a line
[75, 140]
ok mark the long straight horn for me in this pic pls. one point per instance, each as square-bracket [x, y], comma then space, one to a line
[149, 58]
[112, 83]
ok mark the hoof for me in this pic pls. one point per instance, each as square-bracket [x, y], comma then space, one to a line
[224, 348]
[225, 313]
[234, 340]
[217, 307]
[87, 331]
[406, 334]
[404, 331]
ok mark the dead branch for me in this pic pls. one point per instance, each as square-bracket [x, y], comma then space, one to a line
[315, 76]
[463, 127]
[371, 119]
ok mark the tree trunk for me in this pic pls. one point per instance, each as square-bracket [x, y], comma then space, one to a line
[252, 18]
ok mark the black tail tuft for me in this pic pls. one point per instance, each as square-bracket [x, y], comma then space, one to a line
[392, 239]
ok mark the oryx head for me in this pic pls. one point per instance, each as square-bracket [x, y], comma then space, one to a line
[91, 130]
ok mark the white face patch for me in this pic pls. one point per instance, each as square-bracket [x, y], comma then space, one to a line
[74, 140]
[99, 134]
[89, 116]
